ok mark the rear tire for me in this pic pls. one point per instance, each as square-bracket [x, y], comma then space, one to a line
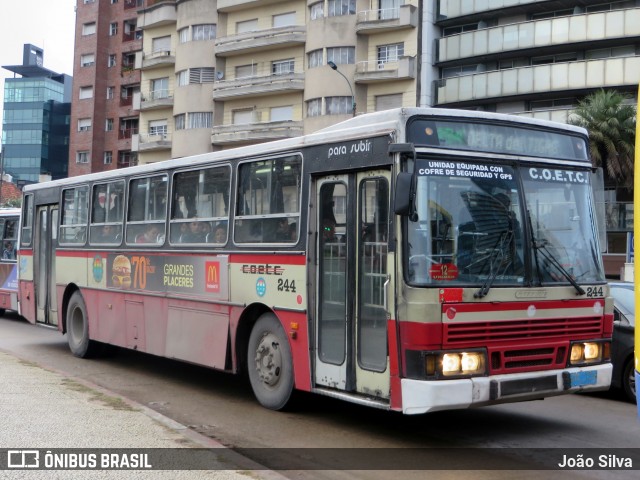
[78, 328]
[629, 381]
[269, 363]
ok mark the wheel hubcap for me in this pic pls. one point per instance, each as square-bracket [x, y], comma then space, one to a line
[268, 360]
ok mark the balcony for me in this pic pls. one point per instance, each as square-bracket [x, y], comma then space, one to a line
[452, 9]
[538, 34]
[579, 76]
[231, 5]
[145, 142]
[162, 58]
[387, 19]
[156, 100]
[126, 133]
[560, 115]
[404, 68]
[255, 132]
[157, 14]
[259, 86]
[130, 4]
[270, 39]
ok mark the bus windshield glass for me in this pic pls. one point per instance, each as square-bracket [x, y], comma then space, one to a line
[470, 227]
[560, 207]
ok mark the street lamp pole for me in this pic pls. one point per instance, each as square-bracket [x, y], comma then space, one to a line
[353, 98]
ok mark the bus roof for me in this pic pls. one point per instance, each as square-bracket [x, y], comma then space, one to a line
[385, 122]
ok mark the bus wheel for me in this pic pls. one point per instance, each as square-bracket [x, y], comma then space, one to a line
[269, 363]
[629, 381]
[78, 328]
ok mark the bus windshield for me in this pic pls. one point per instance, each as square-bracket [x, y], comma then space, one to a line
[471, 219]
[561, 212]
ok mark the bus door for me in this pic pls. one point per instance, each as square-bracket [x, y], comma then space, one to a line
[44, 262]
[352, 284]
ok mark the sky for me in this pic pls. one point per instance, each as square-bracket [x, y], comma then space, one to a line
[48, 24]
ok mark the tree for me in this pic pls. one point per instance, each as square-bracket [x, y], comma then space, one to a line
[611, 126]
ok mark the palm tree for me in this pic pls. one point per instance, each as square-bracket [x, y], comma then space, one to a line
[611, 126]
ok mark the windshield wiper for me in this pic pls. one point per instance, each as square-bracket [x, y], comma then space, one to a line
[498, 253]
[541, 245]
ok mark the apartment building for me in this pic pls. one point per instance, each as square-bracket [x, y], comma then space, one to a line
[209, 75]
[538, 58]
[103, 120]
[535, 58]
[35, 130]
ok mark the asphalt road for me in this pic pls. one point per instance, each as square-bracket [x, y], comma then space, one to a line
[504, 440]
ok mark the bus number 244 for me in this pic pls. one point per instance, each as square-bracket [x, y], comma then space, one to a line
[286, 285]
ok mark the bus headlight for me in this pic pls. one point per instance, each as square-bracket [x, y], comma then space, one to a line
[455, 364]
[588, 352]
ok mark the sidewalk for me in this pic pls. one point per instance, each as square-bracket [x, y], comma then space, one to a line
[41, 409]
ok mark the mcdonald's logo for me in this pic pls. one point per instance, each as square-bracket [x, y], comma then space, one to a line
[212, 283]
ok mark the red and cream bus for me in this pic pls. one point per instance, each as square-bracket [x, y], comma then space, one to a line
[9, 226]
[412, 259]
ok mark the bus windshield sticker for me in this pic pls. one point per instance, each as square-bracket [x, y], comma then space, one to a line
[443, 271]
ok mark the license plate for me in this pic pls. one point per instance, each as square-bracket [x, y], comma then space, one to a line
[580, 379]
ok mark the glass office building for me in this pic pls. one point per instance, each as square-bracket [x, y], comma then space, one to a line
[35, 130]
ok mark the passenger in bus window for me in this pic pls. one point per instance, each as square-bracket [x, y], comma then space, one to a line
[194, 234]
[150, 235]
[220, 234]
[8, 253]
[108, 234]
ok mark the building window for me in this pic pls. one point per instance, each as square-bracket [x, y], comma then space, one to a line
[390, 53]
[88, 1]
[113, 29]
[203, 32]
[108, 158]
[247, 26]
[158, 127]
[114, 1]
[314, 107]
[282, 67]
[160, 88]
[450, 72]
[341, 55]
[85, 92]
[386, 102]
[284, 19]
[87, 60]
[245, 71]
[111, 91]
[84, 124]
[108, 125]
[560, 58]
[339, 105]
[242, 116]
[201, 75]
[200, 120]
[178, 121]
[161, 44]
[448, 31]
[336, 8]
[111, 61]
[82, 157]
[89, 28]
[317, 10]
[183, 35]
[281, 114]
[182, 78]
[315, 58]
[564, 103]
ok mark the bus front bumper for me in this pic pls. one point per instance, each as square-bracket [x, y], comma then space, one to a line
[421, 396]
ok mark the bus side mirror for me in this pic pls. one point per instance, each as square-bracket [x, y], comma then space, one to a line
[402, 201]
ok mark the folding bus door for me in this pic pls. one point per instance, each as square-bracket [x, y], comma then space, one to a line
[44, 262]
[352, 285]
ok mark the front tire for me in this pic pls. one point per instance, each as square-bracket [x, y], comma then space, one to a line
[629, 381]
[78, 328]
[269, 363]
